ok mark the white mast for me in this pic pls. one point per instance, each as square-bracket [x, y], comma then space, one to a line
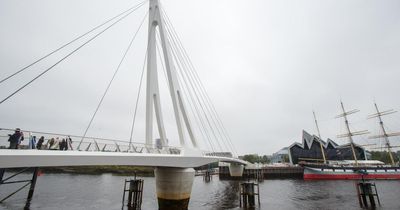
[152, 91]
[320, 139]
[385, 135]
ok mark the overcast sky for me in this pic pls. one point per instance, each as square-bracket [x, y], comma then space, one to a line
[265, 64]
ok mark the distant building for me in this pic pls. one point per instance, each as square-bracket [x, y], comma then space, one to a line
[310, 150]
[282, 156]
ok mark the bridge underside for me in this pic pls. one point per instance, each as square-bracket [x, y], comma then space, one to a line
[48, 158]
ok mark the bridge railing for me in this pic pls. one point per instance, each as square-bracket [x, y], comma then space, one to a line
[52, 141]
[93, 144]
[121, 146]
[218, 154]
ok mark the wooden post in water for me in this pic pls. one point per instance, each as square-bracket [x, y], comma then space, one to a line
[207, 177]
[248, 193]
[135, 194]
[367, 190]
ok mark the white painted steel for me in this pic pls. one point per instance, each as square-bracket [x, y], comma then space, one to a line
[153, 97]
[152, 89]
[43, 158]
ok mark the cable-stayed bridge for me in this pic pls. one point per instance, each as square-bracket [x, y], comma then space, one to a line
[196, 119]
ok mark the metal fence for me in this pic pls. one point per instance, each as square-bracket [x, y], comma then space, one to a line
[52, 141]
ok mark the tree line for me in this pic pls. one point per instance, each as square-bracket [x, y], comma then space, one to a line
[384, 156]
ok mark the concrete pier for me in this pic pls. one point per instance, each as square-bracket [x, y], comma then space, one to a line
[235, 170]
[173, 187]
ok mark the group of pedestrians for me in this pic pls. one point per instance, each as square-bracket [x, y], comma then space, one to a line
[56, 144]
[51, 144]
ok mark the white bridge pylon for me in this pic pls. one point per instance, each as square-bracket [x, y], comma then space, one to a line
[152, 91]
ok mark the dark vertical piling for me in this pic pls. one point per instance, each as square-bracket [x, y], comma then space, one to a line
[207, 177]
[367, 191]
[248, 193]
[135, 194]
[259, 175]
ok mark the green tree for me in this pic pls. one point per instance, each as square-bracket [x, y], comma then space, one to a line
[384, 156]
[252, 158]
[255, 158]
[265, 159]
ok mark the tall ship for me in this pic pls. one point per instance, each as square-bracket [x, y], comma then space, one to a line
[358, 167]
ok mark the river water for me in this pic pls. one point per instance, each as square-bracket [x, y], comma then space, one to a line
[70, 191]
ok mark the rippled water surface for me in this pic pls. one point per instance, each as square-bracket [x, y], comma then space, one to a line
[67, 191]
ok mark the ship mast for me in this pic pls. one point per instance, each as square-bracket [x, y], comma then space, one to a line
[350, 134]
[320, 139]
[385, 135]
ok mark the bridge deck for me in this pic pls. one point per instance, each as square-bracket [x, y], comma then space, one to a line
[44, 158]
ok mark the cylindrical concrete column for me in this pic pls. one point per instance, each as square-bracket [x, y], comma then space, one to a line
[236, 169]
[173, 187]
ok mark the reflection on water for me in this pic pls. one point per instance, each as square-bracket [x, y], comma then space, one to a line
[65, 191]
[226, 196]
[320, 194]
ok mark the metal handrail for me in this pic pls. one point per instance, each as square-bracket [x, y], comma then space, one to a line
[104, 143]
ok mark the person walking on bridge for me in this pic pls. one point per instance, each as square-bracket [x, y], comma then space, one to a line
[55, 145]
[32, 141]
[63, 145]
[15, 139]
[50, 143]
[40, 143]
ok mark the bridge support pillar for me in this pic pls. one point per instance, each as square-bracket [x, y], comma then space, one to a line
[173, 187]
[236, 169]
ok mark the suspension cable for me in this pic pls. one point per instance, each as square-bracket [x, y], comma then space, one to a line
[187, 81]
[191, 97]
[197, 118]
[70, 42]
[65, 57]
[112, 79]
[198, 83]
[185, 95]
[138, 96]
[204, 109]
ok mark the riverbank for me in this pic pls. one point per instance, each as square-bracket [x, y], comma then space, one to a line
[283, 172]
[94, 170]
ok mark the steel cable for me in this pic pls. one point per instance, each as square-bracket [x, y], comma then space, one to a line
[197, 115]
[194, 101]
[137, 99]
[112, 79]
[202, 98]
[65, 57]
[200, 85]
[70, 42]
